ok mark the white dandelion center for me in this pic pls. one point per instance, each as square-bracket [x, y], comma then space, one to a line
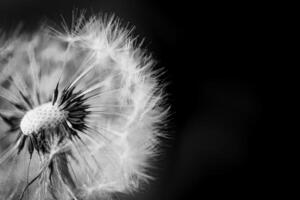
[46, 116]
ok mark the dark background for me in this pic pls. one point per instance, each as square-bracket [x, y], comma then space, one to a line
[212, 54]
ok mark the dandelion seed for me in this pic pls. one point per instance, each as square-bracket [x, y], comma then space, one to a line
[79, 113]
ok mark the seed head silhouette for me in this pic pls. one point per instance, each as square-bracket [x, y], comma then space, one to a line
[80, 112]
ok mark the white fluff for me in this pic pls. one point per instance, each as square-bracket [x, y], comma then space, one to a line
[101, 58]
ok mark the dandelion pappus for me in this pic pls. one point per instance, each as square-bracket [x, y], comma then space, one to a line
[83, 109]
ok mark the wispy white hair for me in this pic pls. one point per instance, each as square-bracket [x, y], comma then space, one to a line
[125, 101]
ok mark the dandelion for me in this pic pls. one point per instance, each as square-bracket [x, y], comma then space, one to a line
[79, 112]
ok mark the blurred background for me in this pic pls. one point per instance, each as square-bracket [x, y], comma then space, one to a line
[212, 57]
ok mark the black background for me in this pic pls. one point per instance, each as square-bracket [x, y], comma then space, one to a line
[212, 54]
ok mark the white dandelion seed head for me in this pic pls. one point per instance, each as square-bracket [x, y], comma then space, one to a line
[83, 109]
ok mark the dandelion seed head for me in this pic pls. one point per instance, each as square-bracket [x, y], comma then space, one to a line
[83, 109]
